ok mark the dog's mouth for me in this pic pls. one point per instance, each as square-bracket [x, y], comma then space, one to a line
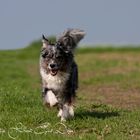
[53, 72]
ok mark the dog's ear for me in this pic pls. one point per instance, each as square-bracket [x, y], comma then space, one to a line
[70, 38]
[45, 42]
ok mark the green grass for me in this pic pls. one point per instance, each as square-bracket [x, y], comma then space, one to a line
[107, 105]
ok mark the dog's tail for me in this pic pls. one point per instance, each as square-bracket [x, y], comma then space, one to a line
[70, 38]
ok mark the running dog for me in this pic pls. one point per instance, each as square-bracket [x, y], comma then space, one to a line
[59, 71]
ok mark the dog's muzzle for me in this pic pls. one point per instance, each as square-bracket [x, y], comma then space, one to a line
[53, 69]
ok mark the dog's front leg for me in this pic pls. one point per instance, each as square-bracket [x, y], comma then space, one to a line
[51, 98]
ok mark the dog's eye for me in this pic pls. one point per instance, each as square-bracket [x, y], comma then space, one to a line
[45, 54]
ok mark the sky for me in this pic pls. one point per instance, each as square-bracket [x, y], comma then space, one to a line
[104, 21]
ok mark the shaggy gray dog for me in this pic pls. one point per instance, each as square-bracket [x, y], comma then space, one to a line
[59, 71]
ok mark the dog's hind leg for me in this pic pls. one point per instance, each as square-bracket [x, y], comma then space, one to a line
[67, 112]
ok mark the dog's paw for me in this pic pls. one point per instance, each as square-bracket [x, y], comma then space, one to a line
[63, 119]
[71, 111]
[59, 113]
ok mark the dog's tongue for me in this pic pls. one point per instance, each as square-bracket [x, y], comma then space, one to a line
[53, 72]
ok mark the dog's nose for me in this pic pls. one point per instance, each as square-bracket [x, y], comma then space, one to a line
[52, 65]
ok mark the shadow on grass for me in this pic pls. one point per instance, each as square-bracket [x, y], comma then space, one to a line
[96, 114]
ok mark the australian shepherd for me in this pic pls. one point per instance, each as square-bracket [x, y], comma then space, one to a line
[59, 71]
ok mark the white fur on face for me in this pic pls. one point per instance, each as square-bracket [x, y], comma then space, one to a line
[50, 98]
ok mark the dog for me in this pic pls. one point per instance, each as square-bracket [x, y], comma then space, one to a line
[59, 72]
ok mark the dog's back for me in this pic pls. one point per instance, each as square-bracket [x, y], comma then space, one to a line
[59, 71]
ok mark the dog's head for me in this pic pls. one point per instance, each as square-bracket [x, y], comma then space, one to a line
[57, 57]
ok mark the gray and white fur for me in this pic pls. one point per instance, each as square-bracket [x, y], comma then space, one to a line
[59, 71]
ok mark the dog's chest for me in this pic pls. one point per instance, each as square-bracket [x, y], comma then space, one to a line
[57, 82]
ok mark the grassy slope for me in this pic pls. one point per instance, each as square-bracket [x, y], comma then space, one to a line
[107, 104]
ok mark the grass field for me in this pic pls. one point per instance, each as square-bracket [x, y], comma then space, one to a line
[107, 105]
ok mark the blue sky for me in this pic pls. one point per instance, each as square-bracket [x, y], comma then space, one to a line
[105, 21]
